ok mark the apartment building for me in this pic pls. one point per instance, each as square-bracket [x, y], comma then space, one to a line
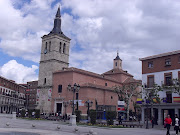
[161, 69]
[12, 96]
[31, 93]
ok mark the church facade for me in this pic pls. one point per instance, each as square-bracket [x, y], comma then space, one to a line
[55, 75]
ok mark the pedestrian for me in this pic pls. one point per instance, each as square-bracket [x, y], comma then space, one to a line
[176, 127]
[152, 121]
[168, 122]
[120, 119]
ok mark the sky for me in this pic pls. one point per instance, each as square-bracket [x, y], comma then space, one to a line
[97, 28]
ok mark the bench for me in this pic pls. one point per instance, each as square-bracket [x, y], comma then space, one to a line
[132, 125]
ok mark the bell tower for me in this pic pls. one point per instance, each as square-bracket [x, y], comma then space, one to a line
[117, 62]
[54, 57]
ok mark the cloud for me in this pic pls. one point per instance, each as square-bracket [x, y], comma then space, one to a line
[18, 72]
[22, 28]
[136, 28]
[98, 29]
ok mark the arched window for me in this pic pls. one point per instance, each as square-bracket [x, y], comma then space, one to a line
[44, 80]
[46, 46]
[45, 50]
[60, 47]
[49, 46]
[64, 48]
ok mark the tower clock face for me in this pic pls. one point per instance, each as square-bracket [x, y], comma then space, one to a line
[45, 51]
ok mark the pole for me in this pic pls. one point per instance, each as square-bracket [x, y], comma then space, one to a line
[73, 101]
[147, 117]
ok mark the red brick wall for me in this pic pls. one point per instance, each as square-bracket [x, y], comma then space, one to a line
[159, 64]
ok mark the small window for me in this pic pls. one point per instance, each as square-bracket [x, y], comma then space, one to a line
[168, 79]
[179, 59]
[64, 48]
[116, 64]
[105, 84]
[44, 80]
[168, 62]
[111, 97]
[150, 81]
[59, 88]
[60, 47]
[150, 64]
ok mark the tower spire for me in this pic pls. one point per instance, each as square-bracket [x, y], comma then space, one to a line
[57, 23]
[58, 14]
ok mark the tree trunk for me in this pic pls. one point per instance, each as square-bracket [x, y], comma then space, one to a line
[128, 111]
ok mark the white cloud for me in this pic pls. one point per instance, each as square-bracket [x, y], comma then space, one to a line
[98, 28]
[18, 72]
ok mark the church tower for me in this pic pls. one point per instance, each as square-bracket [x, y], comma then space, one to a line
[54, 57]
[117, 62]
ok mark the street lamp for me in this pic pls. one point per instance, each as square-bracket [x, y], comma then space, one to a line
[88, 105]
[74, 89]
[65, 104]
[147, 104]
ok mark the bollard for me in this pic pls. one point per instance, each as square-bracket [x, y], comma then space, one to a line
[58, 127]
[14, 115]
[94, 133]
[76, 129]
[91, 131]
[7, 124]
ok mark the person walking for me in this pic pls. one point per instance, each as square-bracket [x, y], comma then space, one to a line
[168, 122]
[120, 119]
[152, 121]
[176, 128]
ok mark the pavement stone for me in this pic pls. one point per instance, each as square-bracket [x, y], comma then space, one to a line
[44, 127]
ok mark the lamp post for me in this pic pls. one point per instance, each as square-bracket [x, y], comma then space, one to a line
[74, 89]
[147, 104]
[88, 105]
[65, 104]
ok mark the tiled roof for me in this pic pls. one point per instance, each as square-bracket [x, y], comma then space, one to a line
[160, 55]
[117, 71]
[87, 73]
[132, 80]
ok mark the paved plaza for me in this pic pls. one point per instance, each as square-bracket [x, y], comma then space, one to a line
[44, 127]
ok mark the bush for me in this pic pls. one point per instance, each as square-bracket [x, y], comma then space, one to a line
[93, 116]
[78, 115]
[23, 112]
[37, 113]
[110, 115]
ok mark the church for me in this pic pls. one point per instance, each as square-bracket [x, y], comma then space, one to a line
[95, 91]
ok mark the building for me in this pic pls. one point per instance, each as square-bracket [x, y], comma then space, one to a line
[161, 69]
[31, 94]
[55, 76]
[12, 96]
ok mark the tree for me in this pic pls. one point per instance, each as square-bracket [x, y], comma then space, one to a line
[174, 87]
[127, 91]
[148, 95]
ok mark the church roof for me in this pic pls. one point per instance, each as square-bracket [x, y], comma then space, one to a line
[132, 80]
[87, 73]
[117, 71]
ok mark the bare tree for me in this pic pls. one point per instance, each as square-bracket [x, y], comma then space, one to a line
[126, 92]
[148, 95]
